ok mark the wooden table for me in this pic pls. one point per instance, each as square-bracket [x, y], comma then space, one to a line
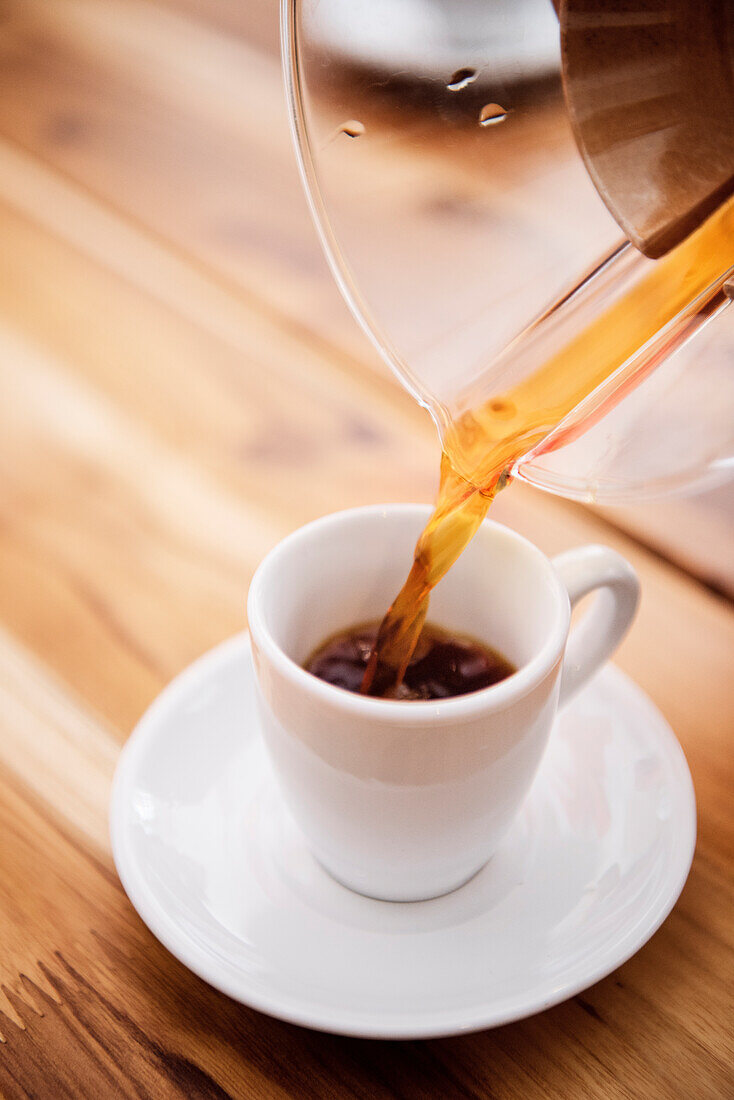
[180, 387]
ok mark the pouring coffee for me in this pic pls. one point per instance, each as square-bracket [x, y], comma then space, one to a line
[631, 226]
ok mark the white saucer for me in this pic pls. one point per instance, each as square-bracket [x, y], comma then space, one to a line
[218, 871]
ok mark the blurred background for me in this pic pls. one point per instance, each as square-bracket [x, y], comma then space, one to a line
[181, 385]
[181, 381]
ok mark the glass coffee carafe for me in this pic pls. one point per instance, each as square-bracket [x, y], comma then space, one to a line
[509, 193]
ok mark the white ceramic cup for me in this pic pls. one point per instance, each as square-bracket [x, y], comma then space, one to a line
[407, 800]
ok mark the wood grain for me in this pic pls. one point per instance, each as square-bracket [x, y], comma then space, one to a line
[129, 99]
[171, 404]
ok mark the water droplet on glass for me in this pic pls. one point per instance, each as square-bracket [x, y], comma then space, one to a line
[353, 128]
[462, 78]
[492, 113]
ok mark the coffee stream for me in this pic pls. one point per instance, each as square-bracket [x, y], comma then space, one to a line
[489, 440]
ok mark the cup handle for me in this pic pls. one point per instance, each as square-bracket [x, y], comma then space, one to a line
[596, 637]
